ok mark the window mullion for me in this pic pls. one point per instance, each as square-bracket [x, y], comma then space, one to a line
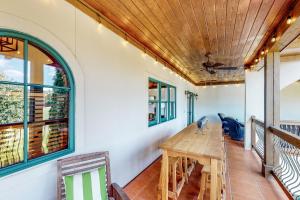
[159, 102]
[169, 104]
[25, 101]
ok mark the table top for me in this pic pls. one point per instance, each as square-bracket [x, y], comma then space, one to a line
[191, 141]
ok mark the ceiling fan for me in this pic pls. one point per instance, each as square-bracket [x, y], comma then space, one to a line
[211, 67]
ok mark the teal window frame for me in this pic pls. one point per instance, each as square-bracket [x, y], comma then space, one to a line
[157, 102]
[172, 115]
[168, 103]
[26, 163]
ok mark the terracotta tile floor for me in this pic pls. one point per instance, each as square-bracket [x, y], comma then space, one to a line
[243, 179]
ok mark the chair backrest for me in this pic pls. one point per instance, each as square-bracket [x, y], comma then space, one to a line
[79, 164]
[202, 122]
[222, 116]
[230, 123]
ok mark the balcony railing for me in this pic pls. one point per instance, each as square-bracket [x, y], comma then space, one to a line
[286, 147]
[257, 136]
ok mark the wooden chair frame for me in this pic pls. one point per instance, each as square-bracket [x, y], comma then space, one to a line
[87, 162]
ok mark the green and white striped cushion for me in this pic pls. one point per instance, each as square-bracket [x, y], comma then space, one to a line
[87, 185]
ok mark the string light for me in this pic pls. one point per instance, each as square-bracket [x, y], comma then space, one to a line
[155, 61]
[144, 53]
[164, 67]
[256, 60]
[262, 52]
[99, 27]
[289, 20]
[273, 39]
[125, 41]
[18, 52]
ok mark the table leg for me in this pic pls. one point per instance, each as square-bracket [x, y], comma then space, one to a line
[214, 179]
[164, 176]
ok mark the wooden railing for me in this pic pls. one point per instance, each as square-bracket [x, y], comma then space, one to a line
[44, 137]
[286, 148]
[11, 144]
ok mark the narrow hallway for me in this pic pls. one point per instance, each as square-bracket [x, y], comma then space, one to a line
[244, 180]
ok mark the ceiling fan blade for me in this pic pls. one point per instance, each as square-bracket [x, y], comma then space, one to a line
[211, 71]
[217, 65]
[226, 68]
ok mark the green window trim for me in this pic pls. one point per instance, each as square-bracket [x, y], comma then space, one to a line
[168, 103]
[172, 102]
[26, 163]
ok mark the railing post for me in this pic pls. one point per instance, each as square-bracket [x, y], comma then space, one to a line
[253, 133]
[272, 107]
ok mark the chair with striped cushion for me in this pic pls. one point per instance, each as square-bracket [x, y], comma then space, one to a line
[87, 177]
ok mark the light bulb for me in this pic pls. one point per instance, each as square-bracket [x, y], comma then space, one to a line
[289, 20]
[124, 42]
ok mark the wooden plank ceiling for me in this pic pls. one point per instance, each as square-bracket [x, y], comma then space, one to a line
[183, 31]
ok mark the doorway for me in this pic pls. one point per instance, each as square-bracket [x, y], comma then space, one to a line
[190, 107]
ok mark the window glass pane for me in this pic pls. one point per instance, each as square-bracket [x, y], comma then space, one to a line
[164, 92]
[47, 103]
[172, 94]
[163, 111]
[11, 144]
[153, 91]
[43, 69]
[11, 60]
[11, 104]
[152, 117]
[47, 137]
[172, 110]
[48, 120]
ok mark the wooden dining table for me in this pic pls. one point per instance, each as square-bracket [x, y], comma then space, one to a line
[204, 146]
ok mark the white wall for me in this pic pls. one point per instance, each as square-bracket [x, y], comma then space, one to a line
[290, 102]
[229, 100]
[254, 101]
[111, 94]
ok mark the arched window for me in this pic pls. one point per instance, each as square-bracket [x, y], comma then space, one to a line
[36, 103]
